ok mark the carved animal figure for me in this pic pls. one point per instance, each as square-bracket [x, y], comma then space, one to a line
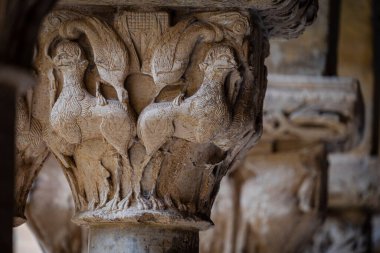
[198, 118]
[170, 58]
[75, 116]
[110, 53]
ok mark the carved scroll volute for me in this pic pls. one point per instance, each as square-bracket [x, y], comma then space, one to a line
[129, 152]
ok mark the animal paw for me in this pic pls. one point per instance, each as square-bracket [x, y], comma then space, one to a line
[126, 202]
[181, 207]
[91, 205]
[157, 204]
[100, 100]
[142, 203]
[112, 204]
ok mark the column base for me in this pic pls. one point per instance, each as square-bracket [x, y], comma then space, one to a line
[122, 238]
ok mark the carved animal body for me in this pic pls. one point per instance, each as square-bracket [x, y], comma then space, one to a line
[76, 117]
[110, 53]
[200, 117]
[170, 58]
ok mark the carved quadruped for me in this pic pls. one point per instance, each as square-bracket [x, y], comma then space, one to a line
[136, 107]
[281, 194]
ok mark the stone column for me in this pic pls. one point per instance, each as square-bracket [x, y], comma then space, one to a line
[147, 111]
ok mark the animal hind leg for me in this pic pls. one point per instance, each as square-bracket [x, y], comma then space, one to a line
[127, 191]
[113, 203]
[142, 203]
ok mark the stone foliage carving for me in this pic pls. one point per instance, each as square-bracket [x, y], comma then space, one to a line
[278, 195]
[313, 109]
[31, 152]
[131, 119]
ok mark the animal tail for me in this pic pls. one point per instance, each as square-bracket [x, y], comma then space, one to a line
[108, 48]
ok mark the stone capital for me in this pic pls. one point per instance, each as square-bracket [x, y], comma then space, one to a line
[137, 107]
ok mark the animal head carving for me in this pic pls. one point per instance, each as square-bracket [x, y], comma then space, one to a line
[109, 51]
[69, 54]
[219, 58]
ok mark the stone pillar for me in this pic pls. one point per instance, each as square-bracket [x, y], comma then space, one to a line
[147, 111]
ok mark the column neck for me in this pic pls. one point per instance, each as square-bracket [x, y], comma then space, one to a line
[120, 238]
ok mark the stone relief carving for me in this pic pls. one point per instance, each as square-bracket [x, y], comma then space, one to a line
[202, 82]
[279, 195]
[314, 109]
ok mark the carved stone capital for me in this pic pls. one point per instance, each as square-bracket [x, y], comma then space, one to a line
[147, 111]
[314, 109]
[146, 117]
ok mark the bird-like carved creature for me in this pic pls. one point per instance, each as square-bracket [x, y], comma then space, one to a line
[199, 118]
[75, 116]
[171, 56]
[109, 51]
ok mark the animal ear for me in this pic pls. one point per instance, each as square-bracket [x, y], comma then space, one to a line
[203, 66]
